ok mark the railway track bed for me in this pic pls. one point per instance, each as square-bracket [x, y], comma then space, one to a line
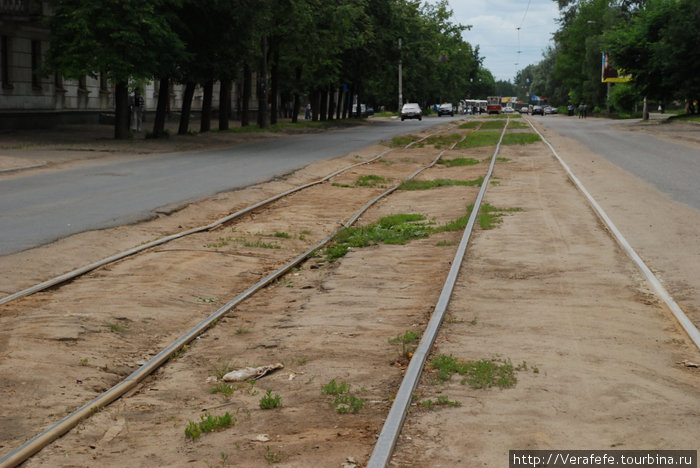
[547, 291]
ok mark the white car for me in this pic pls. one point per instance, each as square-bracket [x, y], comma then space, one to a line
[508, 110]
[411, 110]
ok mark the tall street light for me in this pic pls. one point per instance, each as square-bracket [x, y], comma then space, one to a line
[400, 79]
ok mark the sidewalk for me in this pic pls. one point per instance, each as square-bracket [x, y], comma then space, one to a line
[30, 149]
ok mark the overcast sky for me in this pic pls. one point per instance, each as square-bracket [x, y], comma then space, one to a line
[494, 29]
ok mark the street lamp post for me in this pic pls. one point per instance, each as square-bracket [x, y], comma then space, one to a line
[400, 79]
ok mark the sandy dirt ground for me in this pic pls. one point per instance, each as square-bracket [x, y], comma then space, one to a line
[548, 287]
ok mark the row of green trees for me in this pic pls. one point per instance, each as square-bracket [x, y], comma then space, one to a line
[296, 48]
[655, 41]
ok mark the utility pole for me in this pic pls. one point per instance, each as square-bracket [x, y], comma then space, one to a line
[400, 79]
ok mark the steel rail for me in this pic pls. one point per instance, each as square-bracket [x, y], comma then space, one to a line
[384, 447]
[41, 440]
[127, 253]
[682, 318]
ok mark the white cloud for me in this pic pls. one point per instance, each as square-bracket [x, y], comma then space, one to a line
[494, 29]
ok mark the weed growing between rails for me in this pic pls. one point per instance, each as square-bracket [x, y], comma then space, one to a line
[344, 401]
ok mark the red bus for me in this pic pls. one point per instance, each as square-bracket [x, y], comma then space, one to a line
[494, 105]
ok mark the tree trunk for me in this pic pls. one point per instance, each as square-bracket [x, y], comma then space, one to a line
[205, 123]
[331, 102]
[245, 98]
[347, 108]
[263, 118]
[274, 84]
[295, 107]
[186, 108]
[121, 111]
[323, 111]
[224, 103]
[339, 106]
[162, 108]
[315, 105]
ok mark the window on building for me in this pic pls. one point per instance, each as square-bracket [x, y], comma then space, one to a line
[82, 83]
[36, 64]
[5, 62]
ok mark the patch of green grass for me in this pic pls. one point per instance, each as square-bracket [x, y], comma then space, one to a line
[477, 139]
[520, 138]
[493, 125]
[282, 235]
[403, 140]
[347, 403]
[442, 400]
[456, 162]
[261, 245]
[443, 141]
[272, 457]
[478, 374]
[223, 388]
[414, 184]
[486, 374]
[499, 159]
[116, 327]
[490, 216]
[269, 402]
[517, 125]
[221, 242]
[344, 402]
[206, 299]
[395, 229]
[471, 124]
[407, 341]
[208, 423]
[333, 388]
[458, 224]
[370, 181]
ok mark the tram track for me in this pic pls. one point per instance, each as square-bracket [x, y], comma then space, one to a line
[163, 356]
[293, 314]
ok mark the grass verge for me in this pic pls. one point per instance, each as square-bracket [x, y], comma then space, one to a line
[431, 184]
[478, 374]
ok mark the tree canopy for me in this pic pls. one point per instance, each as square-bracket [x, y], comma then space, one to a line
[304, 47]
[654, 41]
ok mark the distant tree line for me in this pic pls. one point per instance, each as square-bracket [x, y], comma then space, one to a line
[654, 41]
[296, 49]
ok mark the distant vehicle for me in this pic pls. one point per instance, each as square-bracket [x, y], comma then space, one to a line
[411, 110]
[446, 109]
[493, 105]
[523, 110]
[508, 110]
[537, 110]
[550, 110]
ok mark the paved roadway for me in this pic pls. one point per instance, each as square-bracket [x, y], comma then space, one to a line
[674, 169]
[38, 209]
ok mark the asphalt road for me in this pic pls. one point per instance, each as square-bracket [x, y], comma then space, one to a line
[674, 169]
[39, 209]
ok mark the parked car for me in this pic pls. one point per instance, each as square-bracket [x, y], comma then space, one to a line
[411, 110]
[523, 110]
[537, 110]
[550, 110]
[446, 109]
[508, 110]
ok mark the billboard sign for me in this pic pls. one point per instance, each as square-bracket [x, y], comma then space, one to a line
[610, 74]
